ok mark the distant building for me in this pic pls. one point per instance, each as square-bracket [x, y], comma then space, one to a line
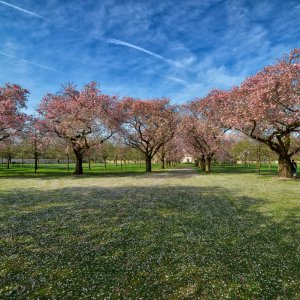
[187, 159]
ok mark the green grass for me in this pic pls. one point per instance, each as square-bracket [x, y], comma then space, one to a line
[168, 235]
[57, 170]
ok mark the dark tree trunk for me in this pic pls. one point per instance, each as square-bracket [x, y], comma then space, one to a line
[35, 162]
[8, 161]
[79, 159]
[207, 164]
[202, 163]
[89, 164]
[258, 163]
[285, 166]
[162, 161]
[258, 159]
[68, 162]
[245, 159]
[148, 164]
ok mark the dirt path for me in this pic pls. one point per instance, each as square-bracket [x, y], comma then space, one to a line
[176, 172]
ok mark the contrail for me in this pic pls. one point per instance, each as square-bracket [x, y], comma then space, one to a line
[118, 42]
[176, 79]
[28, 62]
[34, 14]
[23, 10]
[169, 61]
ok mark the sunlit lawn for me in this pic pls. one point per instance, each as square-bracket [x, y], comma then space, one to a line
[53, 170]
[168, 235]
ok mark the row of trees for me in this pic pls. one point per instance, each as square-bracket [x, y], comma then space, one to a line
[265, 108]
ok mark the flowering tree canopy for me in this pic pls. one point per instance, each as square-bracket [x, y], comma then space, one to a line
[266, 107]
[149, 124]
[82, 117]
[171, 152]
[202, 138]
[12, 99]
[37, 138]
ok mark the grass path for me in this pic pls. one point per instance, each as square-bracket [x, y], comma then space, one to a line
[167, 235]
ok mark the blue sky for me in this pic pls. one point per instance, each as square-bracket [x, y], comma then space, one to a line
[176, 49]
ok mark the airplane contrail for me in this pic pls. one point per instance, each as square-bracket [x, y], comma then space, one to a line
[169, 61]
[122, 43]
[176, 79]
[118, 42]
[111, 41]
[23, 10]
[34, 14]
[28, 62]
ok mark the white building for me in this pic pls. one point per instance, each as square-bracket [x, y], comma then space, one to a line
[188, 159]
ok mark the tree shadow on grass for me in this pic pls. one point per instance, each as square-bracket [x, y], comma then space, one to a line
[242, 170]
[226, 169]
[145, 243]
[23, 173]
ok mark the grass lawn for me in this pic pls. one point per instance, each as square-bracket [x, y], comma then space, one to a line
[54, 170]
[177, 234]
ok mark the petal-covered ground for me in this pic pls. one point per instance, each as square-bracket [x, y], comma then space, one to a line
[167, 235]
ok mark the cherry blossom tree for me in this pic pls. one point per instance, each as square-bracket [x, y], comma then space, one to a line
[202, 139]
[12, 99]
[84, 118]
[37, 139]
[148, 126]
[175, 151]
[171, 152]
[266, 108]
[8, 149]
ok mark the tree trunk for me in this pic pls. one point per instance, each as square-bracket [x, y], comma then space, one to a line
[35, 162]
[285, 166]
[202, 163]
[89, 163]
[258, 159]
[68, 162]
[148, 164]
[162, 161]
[258, 166]
[8, 161]
[78, 167]
[245, 159]
[207, 164]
